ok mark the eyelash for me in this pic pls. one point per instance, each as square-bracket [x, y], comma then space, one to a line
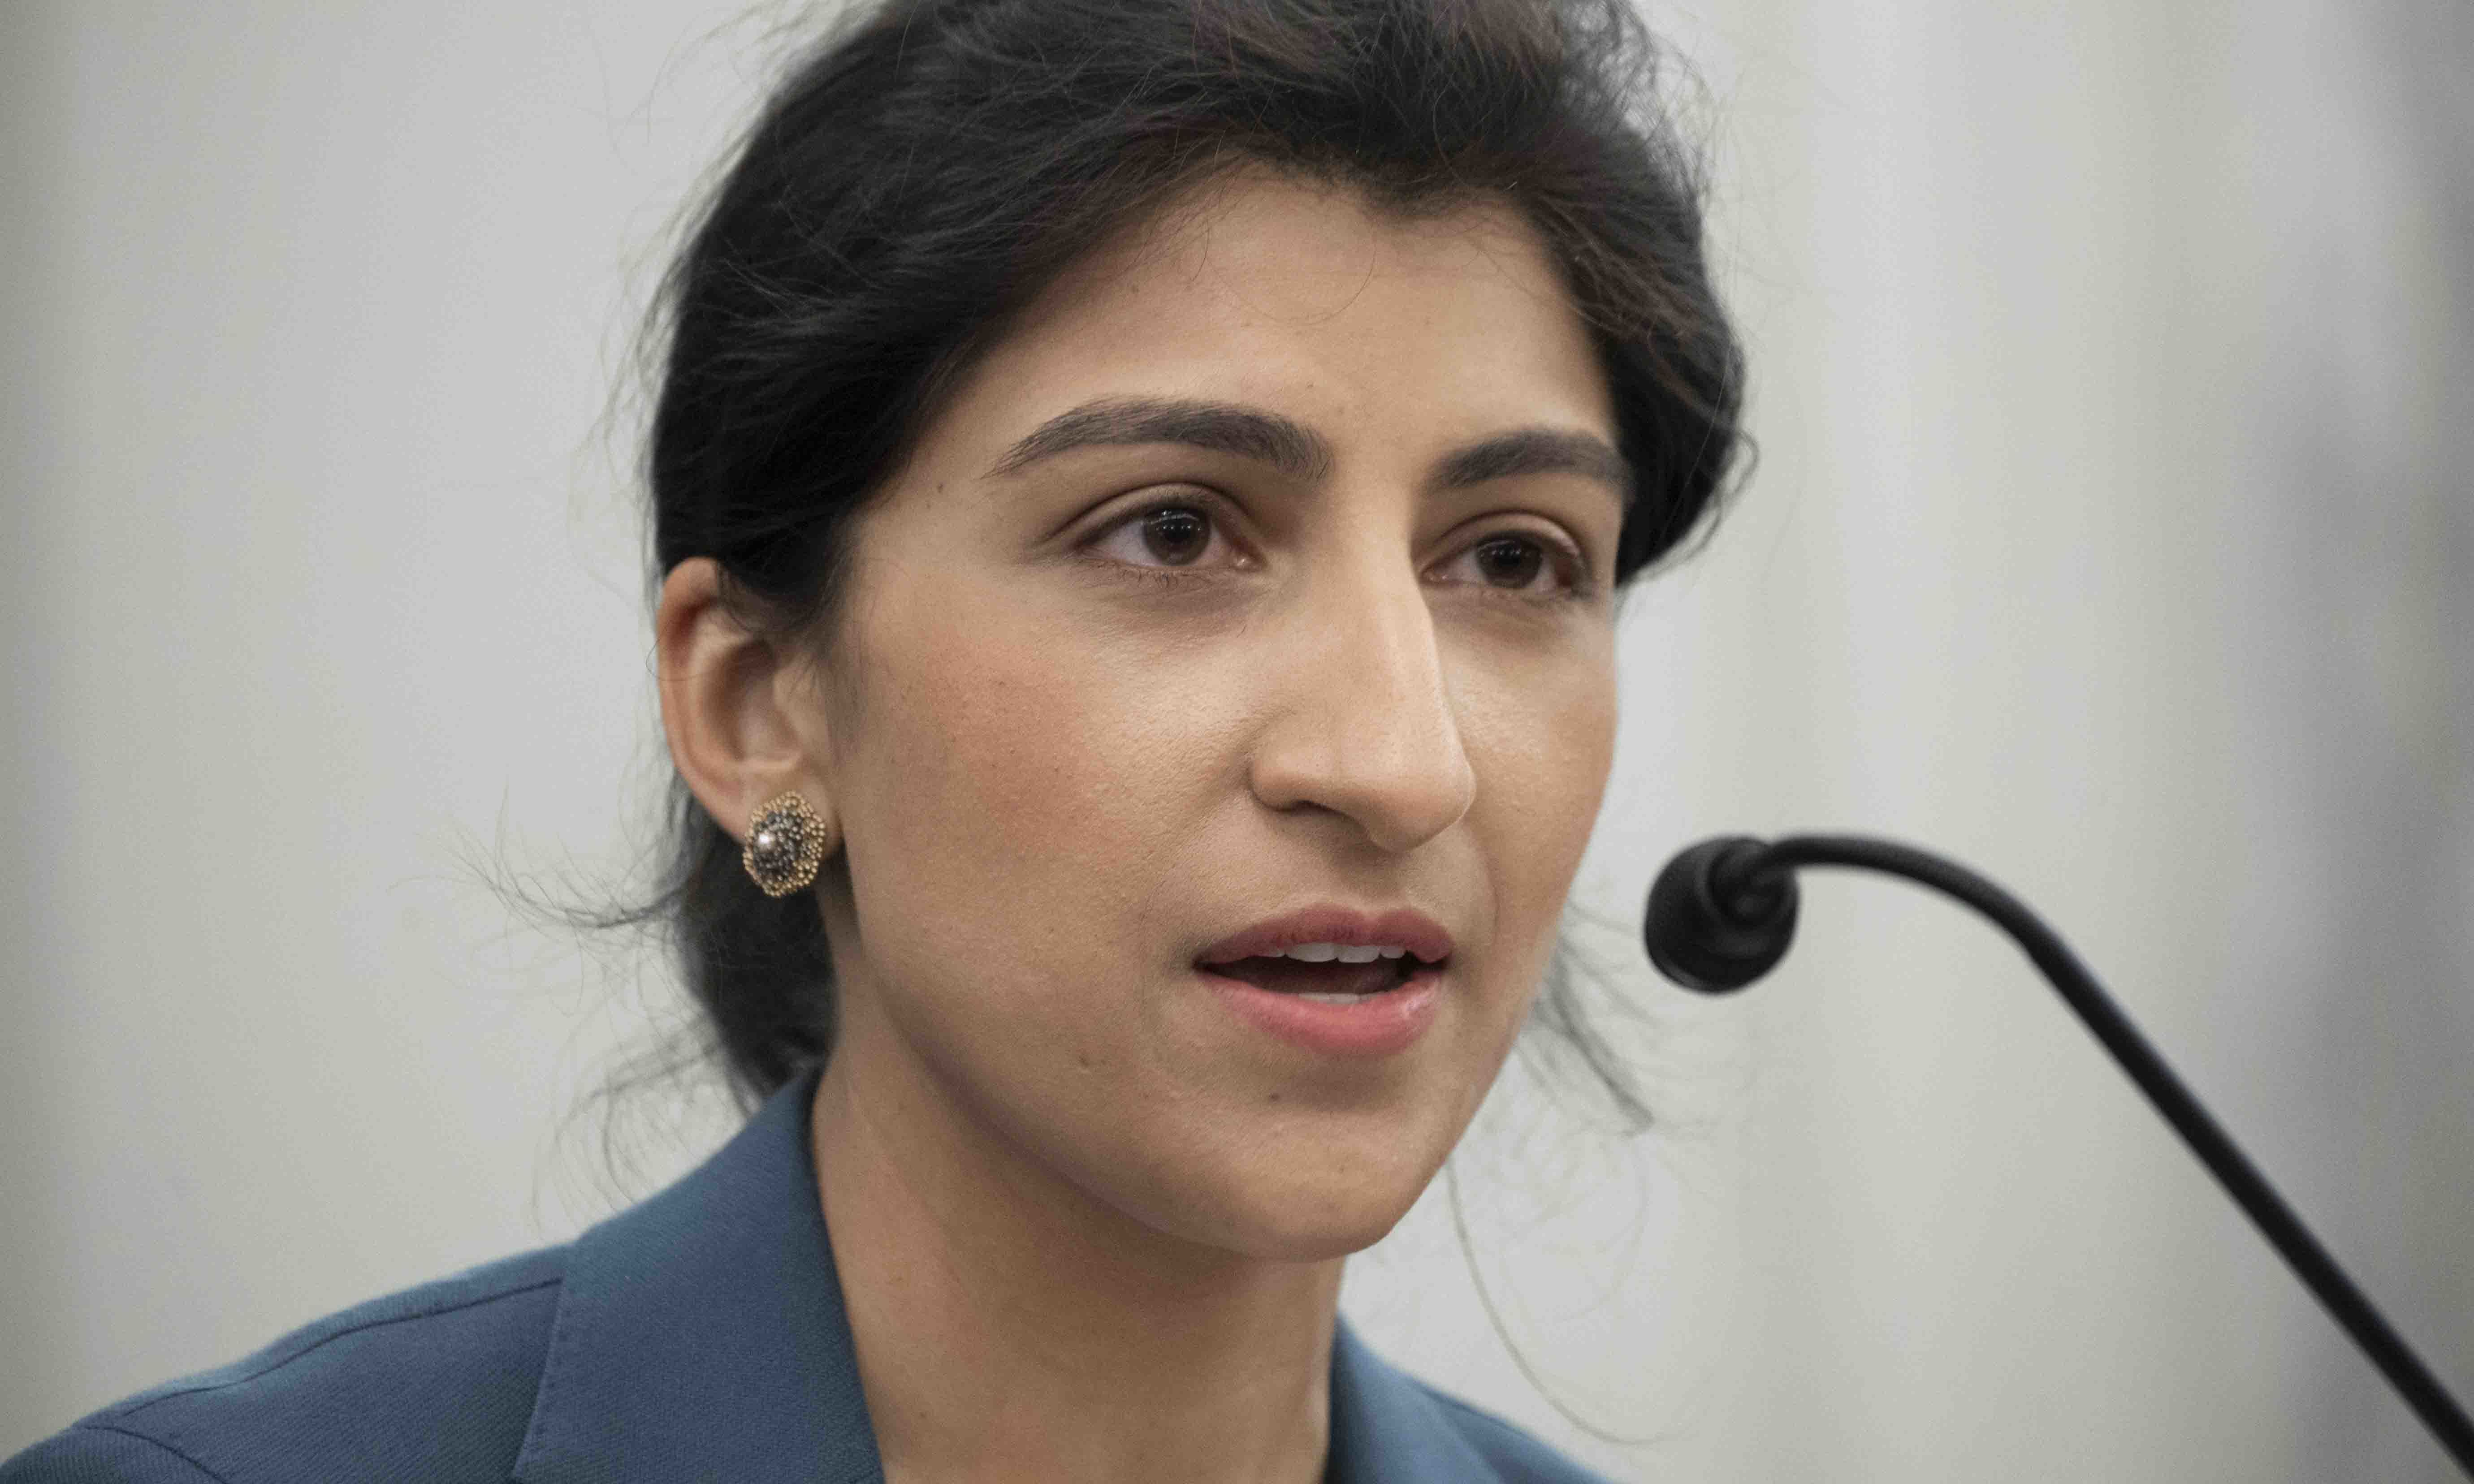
[1578, 584]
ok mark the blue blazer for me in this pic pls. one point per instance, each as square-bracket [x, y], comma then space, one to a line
[697, 1335]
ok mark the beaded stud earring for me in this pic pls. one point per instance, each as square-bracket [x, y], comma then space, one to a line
[785, 844]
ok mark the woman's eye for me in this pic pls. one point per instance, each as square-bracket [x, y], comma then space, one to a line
[1514, 561]
[1171, 536]
[1170, 541]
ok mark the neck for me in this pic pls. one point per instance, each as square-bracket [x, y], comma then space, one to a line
[1008, 1326]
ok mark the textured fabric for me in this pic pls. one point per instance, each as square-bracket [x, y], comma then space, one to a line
[699, 1335]
[433, 1383]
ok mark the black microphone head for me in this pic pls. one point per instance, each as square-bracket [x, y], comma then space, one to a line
[1717, 920]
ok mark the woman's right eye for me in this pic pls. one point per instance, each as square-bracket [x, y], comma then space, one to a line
[1159, 536]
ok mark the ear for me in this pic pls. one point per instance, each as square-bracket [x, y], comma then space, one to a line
[727, 707]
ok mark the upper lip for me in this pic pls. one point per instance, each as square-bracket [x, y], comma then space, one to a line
[1403, 928]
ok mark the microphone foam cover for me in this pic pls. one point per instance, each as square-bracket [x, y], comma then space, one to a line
[1710, 929]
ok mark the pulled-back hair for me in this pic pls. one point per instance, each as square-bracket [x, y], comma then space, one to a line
[922, 172]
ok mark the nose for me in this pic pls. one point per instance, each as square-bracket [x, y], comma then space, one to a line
[1365, 727]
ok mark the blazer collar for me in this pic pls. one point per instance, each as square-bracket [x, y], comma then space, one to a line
[700, 1335]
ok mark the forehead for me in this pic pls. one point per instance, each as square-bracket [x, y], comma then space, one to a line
[1262, 288]
[1279, 243]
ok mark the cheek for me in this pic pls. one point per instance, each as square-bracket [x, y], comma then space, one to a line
[1028, 796]
[1033, 793]
[1542, 740]
[1541, 745]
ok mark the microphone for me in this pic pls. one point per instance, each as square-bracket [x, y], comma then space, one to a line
[1722, 914]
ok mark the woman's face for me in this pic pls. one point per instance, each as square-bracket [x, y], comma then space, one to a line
[1302, 641]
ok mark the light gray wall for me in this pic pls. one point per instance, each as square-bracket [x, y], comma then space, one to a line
[2114, 372]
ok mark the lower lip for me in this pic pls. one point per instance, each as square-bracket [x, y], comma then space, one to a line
[1377, 1025]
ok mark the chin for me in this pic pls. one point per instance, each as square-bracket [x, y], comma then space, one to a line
[1323, 1245]
[1307, 1238]
[1338, 1209]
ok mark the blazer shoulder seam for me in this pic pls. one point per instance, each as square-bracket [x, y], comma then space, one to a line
[154, 1442]
[327, 1339]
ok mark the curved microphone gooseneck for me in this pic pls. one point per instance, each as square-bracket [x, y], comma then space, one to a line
[1722, 914]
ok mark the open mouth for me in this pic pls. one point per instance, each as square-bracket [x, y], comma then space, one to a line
[1332, 983]
[1312, 999]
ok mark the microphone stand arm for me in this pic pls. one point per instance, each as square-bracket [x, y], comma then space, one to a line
[1751, 887]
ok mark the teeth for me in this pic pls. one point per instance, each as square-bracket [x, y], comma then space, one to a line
[1326, 952]
[1320, 998]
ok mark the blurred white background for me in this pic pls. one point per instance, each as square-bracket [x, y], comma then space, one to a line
[2114, 372]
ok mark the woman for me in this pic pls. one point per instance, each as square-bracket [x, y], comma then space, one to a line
[1140, 493]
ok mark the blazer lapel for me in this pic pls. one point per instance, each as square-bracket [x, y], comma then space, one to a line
[701, 1334]
[1388, 1429]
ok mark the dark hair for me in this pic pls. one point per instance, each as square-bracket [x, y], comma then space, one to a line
[923, 171]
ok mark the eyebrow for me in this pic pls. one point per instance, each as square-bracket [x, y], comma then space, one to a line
[1298, 451]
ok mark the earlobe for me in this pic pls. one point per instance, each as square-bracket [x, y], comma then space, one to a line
[720, 708]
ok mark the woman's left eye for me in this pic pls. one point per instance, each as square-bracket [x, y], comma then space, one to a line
[1513, 560]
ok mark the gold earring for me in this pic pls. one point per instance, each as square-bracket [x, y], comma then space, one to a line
[785, 844]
